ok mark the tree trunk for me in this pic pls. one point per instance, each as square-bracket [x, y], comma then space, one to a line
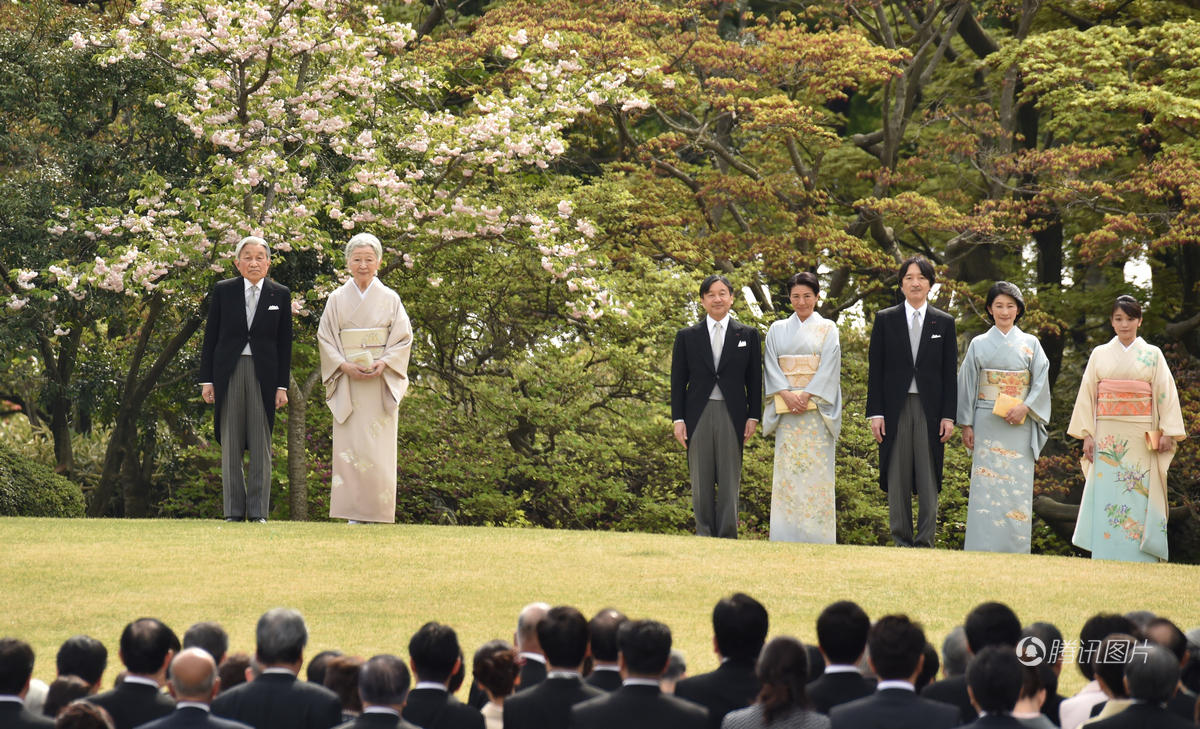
[297, 437]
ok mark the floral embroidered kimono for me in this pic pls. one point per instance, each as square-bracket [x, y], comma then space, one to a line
[1125, 393]
[804, 356]
[1000, 506]
[364, 411]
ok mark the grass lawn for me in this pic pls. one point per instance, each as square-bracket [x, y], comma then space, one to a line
[366, 589]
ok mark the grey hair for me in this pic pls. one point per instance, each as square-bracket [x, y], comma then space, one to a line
[281, 636]
[383, 680]
[364, 240]
[527, 621]
[251, 240]
[954, 652]
[1152, 674]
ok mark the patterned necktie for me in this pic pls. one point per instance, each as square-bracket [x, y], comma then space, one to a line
[251, 303]
[914, 334]
[718, 341]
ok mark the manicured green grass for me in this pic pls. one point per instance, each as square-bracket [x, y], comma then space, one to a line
[365, 589]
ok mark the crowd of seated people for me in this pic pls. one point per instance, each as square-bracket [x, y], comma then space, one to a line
[563, 671]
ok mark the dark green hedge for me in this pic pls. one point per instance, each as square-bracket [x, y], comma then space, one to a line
[28, 488]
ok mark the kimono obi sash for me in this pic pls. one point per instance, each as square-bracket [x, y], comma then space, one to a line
[1124, 399]
[993, 383]
[799, 370]
[357, 344]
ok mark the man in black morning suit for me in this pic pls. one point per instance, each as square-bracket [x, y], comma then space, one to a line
[563, 635]
[842, 629]
[640, 702]
[383, 683]
[740, 625]
[245, 365]
[16, 668]
[895, 650]
[602, 630]
[193, 683]
[994, 679]
[1151, 679]
[988, 624]
[716, 398]
[147, 647]
[911, 401]
[277, 699]
[434, 654]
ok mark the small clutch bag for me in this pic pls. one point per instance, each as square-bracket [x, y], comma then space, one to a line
[781, 407]
[1004, 404]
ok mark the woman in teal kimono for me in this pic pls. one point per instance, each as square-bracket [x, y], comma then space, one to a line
[802, 376]
[1128, 415]
[1008, 365]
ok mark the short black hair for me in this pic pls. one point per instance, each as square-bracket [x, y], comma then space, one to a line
[434, 650]
[646, 646]
[1095, 629]
[740, 625]
[1129, 305]
[842, 631]
[495, 667]
[1006, 289]
[929, 668]
[995, 676]
[315, 671]
[1037, 678]
[895, 644]
[145, 644]
[209, 636]
[563, 635]
[707, 283]
[1176, 641]
[384, 679]
[804, 278]
[1152, 675]
[924, 266]
[992, 623]
[82, 656]
[1108, 664]
[603, 630]
[16, 665]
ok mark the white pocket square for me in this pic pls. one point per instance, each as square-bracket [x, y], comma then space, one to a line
[272, 307]
[935, 336]
[742, 343]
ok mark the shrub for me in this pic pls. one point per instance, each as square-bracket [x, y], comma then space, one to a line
[28, 488]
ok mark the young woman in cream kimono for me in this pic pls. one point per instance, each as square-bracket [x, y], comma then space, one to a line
[365, 339]
[1128, 415]
[1008, 365]
[802, 376]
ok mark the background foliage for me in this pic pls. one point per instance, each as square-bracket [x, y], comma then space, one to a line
[551, 180]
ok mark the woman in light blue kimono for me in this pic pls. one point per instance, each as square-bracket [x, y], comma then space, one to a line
[802, 375]
[1008, 365]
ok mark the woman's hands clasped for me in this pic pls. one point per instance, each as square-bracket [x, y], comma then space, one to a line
[362, 373]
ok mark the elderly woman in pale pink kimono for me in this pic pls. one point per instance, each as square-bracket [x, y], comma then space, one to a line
[365, 340]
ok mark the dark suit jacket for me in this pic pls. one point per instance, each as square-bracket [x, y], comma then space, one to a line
[547, 705]
[13, 715]
[377, 721]
[831, 689]
[892, 370]
[638, 707]
[894, 709]
[532, 673]
[433, 709]
[226, 334]
[995, 721]
[952, 691]
[280, 701]
[732, 686]
[605, 680]
[1143, 716]
[191, 717]
[134, 704]
[1050, 708]
[739, 374]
